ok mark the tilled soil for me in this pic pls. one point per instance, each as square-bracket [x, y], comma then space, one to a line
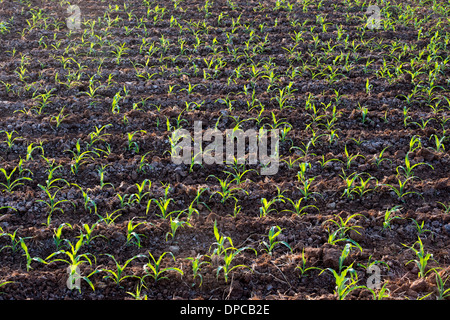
[145, 110]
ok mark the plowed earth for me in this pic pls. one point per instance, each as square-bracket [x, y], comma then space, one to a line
[267, 276]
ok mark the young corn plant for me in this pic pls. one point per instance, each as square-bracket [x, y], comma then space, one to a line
[420, 227]
[197, 263]
[15, 241]
[372, 263]
[74, 260]
[58, 119]
[442, 293]
[79, 157]
[350, 157]
[445, 207]
[119, 51]
[350, 184]
[162, 203]
[346, 278]
[10, 183]
[10, 140]
[220, 243]
[323, 163]
[175, 224]
[238, 172]
[236, 209]
[57, 235]
[87, 233]
[342, 230]
[274, 232]
[140, 194]
[265, 209]
[52, 203]
[297, 207]
[414, 143]
[132, 236]
[226, 191]
[115, 107]
[422, 258]
[363, 186]
[137, 295]
[303, 268]
[190, 88]
[364, 114]
[143, 164]
[303, 168]
[290, 162]
[7, 208]
[22, 170]
[378, 158]
[229, 254]
[4, 27]
[109, 218]
[101, 173]
[5, 283]
[98, 136]
[31, 148]
[389, 216]
[88, 203]
[123, 200]
[305, 189]
[401, 192]
[133, 146]
[118, 275]
[155, 270]
[407, 169]
[43, 100]
[51, 180]
[190, 210]
[438, 142]
[26, 253]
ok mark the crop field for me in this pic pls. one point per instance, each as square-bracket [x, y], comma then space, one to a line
[350, 99]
